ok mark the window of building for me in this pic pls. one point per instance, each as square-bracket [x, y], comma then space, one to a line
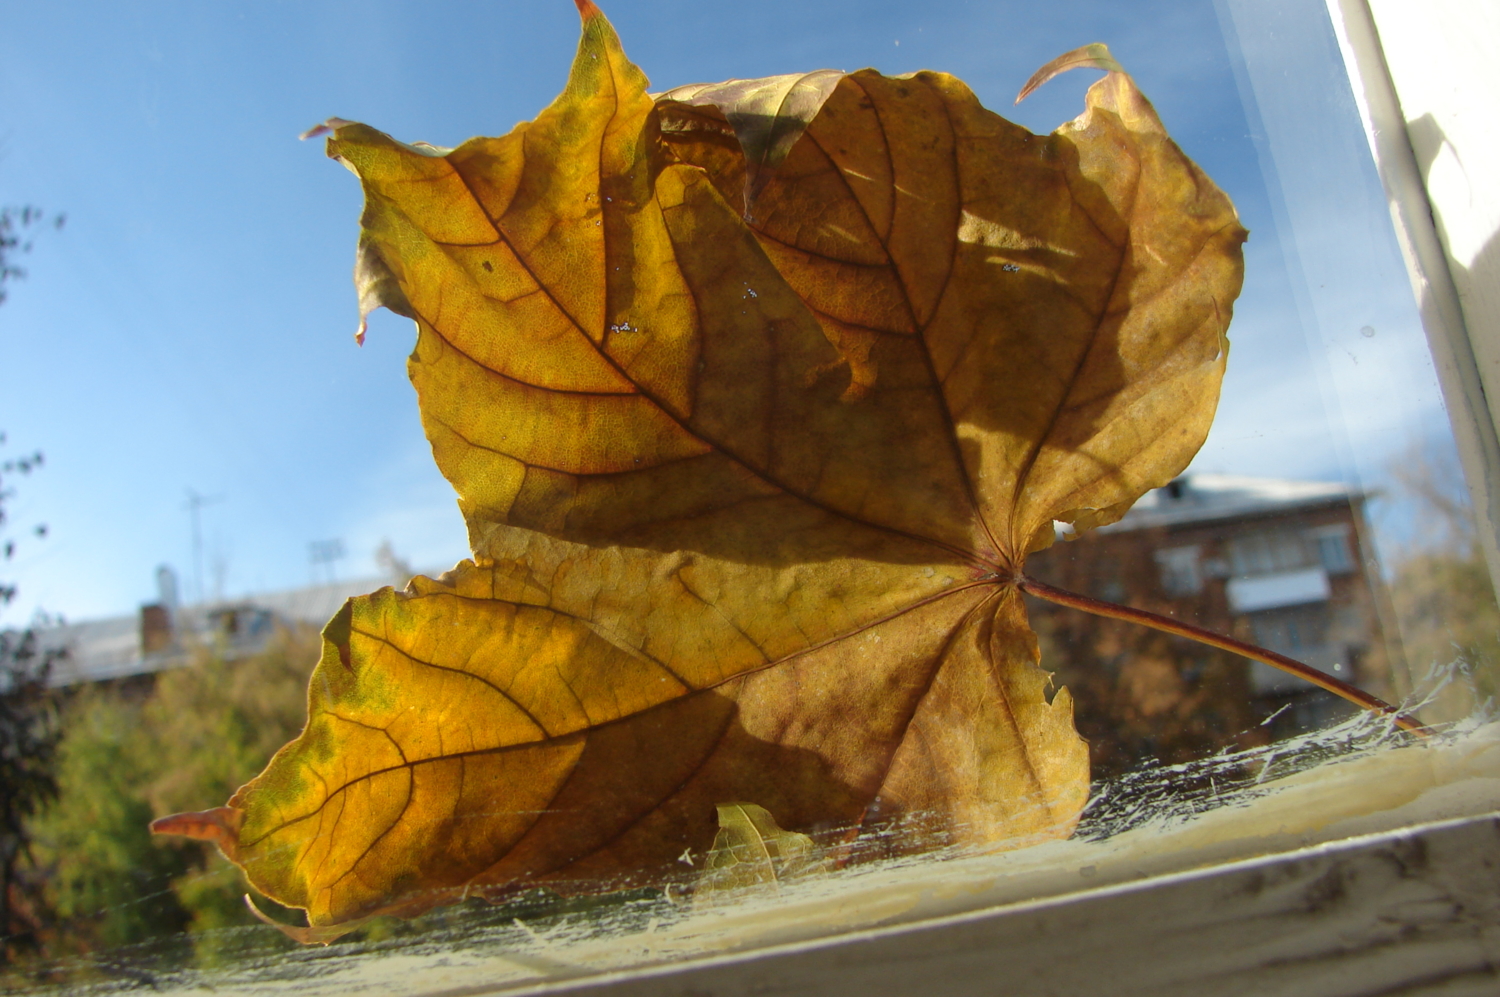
[1333, 549]
[1293, 630]
[1181, 570]
[1265, 552]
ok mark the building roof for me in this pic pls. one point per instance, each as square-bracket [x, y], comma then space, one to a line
[111, 648]
[99, 650]
[1203, 498]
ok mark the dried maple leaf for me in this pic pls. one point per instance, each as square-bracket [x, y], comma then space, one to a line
[709, 564]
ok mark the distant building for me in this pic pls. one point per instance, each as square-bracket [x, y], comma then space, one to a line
[163, 635]
[1278, 563]
[1282, 564]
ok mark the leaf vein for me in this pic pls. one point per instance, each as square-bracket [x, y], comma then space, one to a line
[542, 728]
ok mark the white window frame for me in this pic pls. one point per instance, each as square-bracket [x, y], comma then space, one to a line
[1395, 50]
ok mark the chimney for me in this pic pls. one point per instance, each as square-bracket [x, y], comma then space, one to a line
[156, 628]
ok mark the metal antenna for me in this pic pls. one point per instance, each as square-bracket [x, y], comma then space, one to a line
[195, 504]
[325, 552]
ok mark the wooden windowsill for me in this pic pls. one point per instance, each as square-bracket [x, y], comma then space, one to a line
[1411, 912]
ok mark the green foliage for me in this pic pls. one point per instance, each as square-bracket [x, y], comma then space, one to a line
[28, 731]
[109, 882]
[129, 753]
[219, 722]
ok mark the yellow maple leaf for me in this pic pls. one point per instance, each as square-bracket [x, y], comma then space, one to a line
[707, 564]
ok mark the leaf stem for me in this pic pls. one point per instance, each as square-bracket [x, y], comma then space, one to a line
[1306, 672]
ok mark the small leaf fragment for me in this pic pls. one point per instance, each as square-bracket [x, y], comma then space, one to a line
[768, 116]
[377, 287]
[1095, 56]
[309, 935]
[750, 849]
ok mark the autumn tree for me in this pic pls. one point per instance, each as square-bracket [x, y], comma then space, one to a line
[29, 735]
[1441, 590]
[28, 720]
[106, 885]
[17, 226]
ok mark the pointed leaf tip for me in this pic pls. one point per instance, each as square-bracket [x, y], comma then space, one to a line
[221, 825]
[324, 128]
[1095, 56]
[587, 10]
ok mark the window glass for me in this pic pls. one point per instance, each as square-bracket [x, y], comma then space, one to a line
[189, 329]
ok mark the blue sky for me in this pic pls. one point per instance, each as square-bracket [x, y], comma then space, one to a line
[191, 326]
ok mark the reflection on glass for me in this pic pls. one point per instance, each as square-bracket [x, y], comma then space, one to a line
[1267, 560]
[1323, 513]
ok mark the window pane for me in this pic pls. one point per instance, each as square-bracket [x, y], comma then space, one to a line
[189, 329]
[1326, 499]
